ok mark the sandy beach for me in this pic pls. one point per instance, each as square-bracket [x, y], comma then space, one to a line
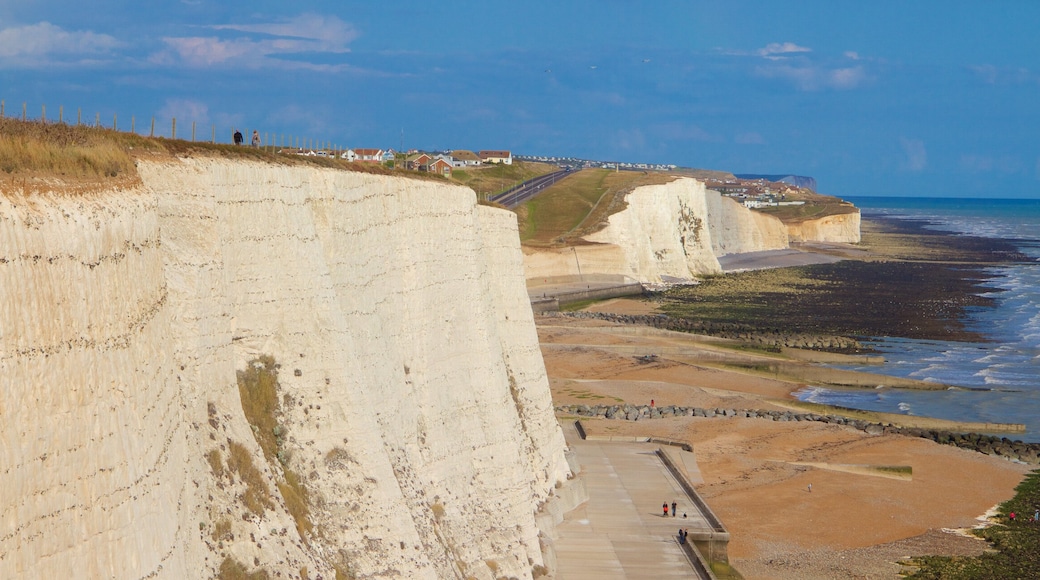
[875, 500]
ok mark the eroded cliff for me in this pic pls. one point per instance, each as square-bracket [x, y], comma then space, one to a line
[414, 407]
[674, 230]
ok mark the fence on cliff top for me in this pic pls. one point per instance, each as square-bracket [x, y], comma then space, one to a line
[268, 140]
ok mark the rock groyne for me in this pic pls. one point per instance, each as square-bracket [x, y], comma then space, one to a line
[988, 444]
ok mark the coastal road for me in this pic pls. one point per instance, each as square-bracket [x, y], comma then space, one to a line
[514, 196]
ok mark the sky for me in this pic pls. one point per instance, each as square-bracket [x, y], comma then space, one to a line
[922, 98]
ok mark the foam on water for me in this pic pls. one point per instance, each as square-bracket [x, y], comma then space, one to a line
[1008, 367]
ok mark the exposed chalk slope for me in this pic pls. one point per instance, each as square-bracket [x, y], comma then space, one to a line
[672, 230]
[417, 410]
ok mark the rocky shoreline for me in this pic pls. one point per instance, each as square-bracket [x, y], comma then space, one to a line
[1016, 450]
[772, 340]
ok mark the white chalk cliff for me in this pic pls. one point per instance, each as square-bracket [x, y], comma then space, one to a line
[416, 407]
[675, 230]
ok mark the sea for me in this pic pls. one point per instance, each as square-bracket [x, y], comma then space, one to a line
[1004, 371]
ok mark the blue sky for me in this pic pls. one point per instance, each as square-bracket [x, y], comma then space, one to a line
[878, 98]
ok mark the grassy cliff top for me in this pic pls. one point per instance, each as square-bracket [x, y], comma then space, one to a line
[72, 159]
[579, 205]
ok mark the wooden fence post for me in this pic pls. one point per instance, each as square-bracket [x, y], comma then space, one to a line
[193, 131]
[43, 114]
[24, 104]
[152, 132]
[214, 137]
[61, 114]
[97, 120]
[133, 124]
[173, 130]
[79, 117]
[114, 121]
[1, 108]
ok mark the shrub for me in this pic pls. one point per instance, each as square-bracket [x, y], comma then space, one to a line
[231, 569]
[257, 496]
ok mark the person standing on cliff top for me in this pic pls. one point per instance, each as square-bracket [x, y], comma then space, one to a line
[256, 138]
[238, 137]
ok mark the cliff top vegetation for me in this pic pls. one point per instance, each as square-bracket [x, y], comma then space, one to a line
[489, 180]
[76, 159]
[580, 205]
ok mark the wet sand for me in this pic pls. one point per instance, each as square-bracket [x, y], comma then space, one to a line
[857, 521]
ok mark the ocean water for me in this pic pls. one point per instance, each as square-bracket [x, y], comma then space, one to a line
[1007, 367]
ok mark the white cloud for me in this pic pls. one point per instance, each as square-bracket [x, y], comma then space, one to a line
[916, 155]
[261, 44]
[846, 78]
[44, 42]
[851, 54]
[186, 110]
[303, 32]
[811, 78]
[776, 50]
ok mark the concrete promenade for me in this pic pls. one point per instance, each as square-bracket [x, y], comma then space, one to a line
[620, 532]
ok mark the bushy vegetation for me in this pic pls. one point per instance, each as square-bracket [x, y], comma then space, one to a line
[258, 390]
[1016, 543]
[79, 156]
[231, 569]
[257, 497]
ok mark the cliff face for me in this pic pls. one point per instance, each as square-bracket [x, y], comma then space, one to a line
[414, 405]
[841, 228]
[674, 230]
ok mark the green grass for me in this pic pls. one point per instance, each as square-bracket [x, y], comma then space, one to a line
[1016, 544]
[488, 180]
[579, 204]
[896, 469]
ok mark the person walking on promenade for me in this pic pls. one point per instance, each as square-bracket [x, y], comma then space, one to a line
[256, 138]
[682, 537]
[664, 508]
[674, 511]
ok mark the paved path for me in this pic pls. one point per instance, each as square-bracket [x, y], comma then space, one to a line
[619, 532]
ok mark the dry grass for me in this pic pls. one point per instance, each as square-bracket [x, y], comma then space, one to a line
[36, 156]
[296, 501]
[221, 530]
[74, 160]
[258, 390]
[216, 463]
[579, 205]
[257, 387]
[257, 497]
[231, 569]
